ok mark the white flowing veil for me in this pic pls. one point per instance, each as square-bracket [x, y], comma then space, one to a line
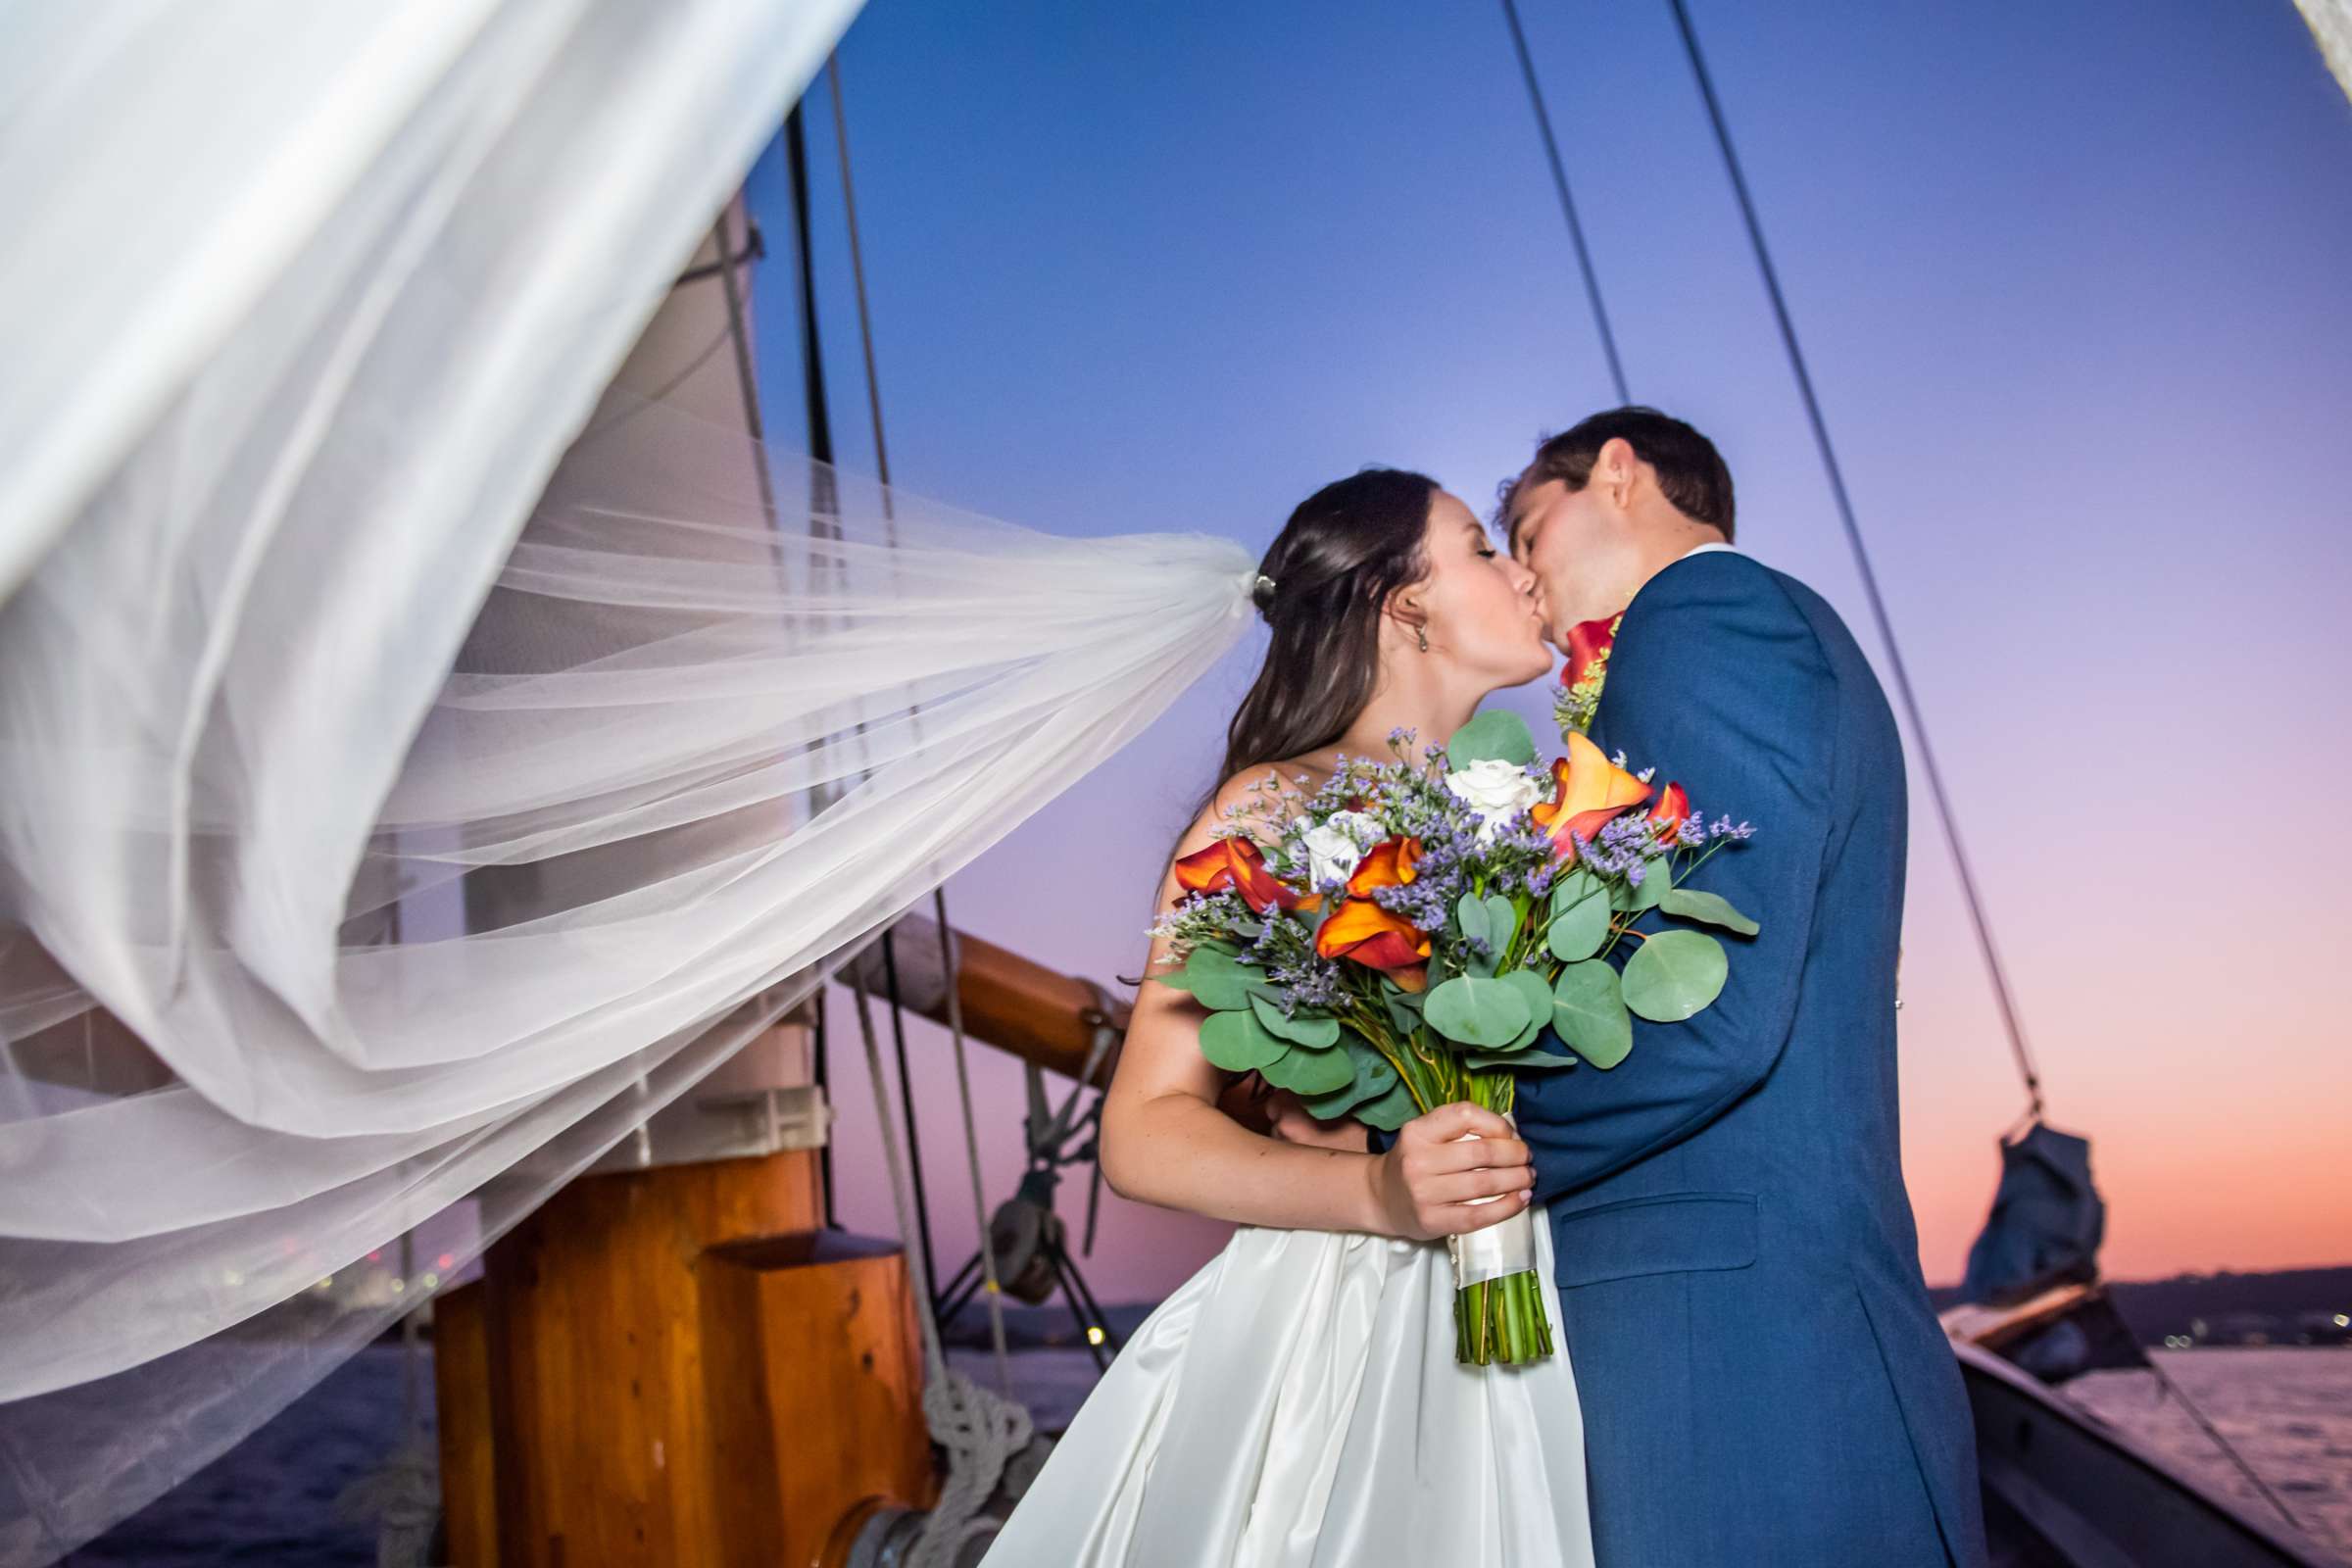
[393, 815]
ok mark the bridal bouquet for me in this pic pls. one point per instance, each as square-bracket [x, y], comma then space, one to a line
[1423, 930]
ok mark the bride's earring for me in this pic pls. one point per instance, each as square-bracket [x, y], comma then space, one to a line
[1423, 631]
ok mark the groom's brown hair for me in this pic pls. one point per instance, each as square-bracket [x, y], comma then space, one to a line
[1692, 474]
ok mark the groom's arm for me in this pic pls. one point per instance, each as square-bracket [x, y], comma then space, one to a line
[1721, 684]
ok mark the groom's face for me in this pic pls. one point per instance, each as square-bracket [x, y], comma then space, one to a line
[1568, 540]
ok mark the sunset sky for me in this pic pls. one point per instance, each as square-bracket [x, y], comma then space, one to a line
[2073, 284]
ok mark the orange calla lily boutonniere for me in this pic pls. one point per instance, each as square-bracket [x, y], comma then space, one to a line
[1588, 791]
[1581, 678]
[1670, 813]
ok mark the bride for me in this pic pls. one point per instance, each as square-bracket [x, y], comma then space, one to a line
[1296, 1403]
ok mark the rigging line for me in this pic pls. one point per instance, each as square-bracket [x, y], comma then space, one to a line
[2164, 1380]
[866, 318]
[1999, 973]
[747, 379]
[914, 1141]
[1560, 182]
[939, 894]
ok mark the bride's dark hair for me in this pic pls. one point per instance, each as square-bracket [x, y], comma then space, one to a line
[1347, 548]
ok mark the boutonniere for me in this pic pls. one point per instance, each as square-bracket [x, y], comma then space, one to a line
[1578, 698]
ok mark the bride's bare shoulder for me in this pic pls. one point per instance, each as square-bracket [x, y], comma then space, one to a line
[1259, 800]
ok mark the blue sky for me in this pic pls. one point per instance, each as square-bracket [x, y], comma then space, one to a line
[2071, 282]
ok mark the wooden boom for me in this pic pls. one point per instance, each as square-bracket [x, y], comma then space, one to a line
[1009, 1001]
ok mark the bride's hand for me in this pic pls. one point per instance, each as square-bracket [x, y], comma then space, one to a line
[1425, 1184]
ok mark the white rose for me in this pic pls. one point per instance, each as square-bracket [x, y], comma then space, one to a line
[1496, 790]
[1336, 845]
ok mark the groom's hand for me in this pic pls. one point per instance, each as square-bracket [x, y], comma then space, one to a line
[1429, 1181]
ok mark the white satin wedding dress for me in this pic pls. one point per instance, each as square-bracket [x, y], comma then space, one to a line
[1297, 1404]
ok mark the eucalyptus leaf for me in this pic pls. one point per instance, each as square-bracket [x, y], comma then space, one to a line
[1471, 917]
[1579, 928]
[1237, 1043]
[1373, 1078]
[1391, 1111]
[1310, 1029]
[1519, 1061]
[1675, 975]
[1305, 1072]
[1692, 905]
[1471, 1011]
[1573, 889]
[1498, 733]
[1503, 922]
[1535, 992]
[1222, 981]
[1404, 1011]
[1589, 1011]
[1657, 880]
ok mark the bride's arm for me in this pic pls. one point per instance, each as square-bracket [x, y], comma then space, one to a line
[1165, 1141]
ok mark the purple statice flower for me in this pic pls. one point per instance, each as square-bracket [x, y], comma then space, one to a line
[1301, 979]
[1623, 843]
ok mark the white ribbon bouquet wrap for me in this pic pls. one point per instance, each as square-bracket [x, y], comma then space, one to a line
[1496, 1252]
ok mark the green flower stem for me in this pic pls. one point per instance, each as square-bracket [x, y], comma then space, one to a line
[1502, 1321]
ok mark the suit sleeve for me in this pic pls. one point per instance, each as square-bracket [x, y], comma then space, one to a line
[1720, 683]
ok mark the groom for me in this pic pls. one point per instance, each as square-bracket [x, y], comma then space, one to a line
[1763, 1381]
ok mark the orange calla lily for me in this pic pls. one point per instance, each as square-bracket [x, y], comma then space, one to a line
[1388, 864]
[1374, 937]
[1671, 812]
[1588, 790]
[1239, 866]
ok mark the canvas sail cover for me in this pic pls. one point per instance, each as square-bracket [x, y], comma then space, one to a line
[2044, 1231]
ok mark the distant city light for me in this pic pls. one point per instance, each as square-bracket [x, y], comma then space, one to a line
[1093, 1334]
[2343, 1320]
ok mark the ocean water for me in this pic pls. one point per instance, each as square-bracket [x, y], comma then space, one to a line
[272, 1501]
[2288, 1411]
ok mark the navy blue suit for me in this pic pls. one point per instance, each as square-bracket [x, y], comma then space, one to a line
[1763, 1380]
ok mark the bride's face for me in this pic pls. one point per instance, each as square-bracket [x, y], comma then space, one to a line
[1479, 604]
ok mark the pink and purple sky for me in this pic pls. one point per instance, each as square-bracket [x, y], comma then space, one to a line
[2072, 283]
